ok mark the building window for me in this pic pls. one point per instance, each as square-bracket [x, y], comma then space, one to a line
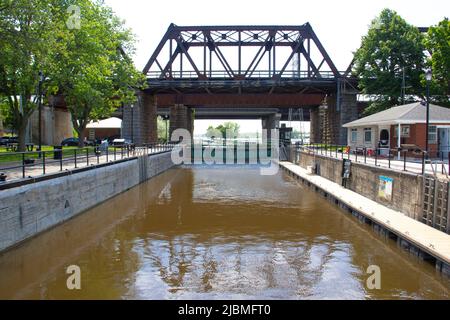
[432, 134]
[367, 135]
[354, 137]
[405, 131]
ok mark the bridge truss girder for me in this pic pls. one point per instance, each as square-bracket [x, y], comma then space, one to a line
[213, 39]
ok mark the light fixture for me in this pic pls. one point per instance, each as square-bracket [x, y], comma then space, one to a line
[428, 75]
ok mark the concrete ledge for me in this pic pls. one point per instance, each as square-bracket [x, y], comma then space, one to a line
[32, 208]
[364, 180]
[413, 235]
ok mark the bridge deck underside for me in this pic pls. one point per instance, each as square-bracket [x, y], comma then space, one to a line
[284, 93]
[204, 113]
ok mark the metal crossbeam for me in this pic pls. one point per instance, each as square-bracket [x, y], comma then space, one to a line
[267, 39]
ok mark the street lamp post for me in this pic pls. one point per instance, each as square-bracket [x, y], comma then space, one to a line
[428, 76]
[166, 118]
[132, 124]
[41, 80]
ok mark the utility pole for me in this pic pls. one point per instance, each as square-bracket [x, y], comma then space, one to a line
[41, 80]
[403, 87]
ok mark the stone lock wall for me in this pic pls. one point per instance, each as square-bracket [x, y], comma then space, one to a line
[31, 209]
[364, 179]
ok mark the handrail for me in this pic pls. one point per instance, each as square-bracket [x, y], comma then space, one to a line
[58, 160]
[374, 156]
[256, 74]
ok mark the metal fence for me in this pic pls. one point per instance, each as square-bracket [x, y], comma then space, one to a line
[398, 159]
[257, 74]
[23, 165]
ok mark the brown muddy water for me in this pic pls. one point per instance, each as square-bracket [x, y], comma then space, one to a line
[216, 233]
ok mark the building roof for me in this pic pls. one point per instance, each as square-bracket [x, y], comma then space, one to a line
[110, 123]
[406, 114]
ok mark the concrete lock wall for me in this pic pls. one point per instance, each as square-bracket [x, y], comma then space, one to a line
[365, 180]
[31, 209]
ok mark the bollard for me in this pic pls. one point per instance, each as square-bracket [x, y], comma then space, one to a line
[23, 165]
[448, 159]
[87, 156]
[61, 162]
[423, 163]
[404, 161]
[43, 162]
[75, 153]
[389, 158]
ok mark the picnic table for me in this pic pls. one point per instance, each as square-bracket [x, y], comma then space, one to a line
[12, 147]
[15, 146]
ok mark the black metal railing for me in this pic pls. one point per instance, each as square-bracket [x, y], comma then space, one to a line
[407, 160]
[23, 165]
[258, 74]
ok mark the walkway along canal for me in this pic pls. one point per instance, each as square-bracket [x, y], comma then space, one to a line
[216, 232]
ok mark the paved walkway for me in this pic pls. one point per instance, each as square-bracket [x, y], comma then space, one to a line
[14, 170]
[412, 165]
[428, 239]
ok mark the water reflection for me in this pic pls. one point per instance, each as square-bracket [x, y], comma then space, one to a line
[215, 233]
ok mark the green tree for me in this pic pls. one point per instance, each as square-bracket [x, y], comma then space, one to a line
[212, 132]
[26, 41]
[232, 128]
[438, 44]
[229, 128]
[162, 129]
[93, 72]
[390, 48]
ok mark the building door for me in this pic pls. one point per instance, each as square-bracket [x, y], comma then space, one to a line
[383, 143]
[444, 141]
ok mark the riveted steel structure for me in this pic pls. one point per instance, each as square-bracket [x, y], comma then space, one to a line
[240, 67]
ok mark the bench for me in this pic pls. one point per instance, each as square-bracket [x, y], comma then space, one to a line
[12, 147]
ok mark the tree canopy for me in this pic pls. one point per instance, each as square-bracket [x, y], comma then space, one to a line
[391, 48]
[227, 130]
[82, 50]
[437, 42]
[26, 39]
[93, 72]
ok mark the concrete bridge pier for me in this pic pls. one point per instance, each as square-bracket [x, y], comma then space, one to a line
[181, 117]
[328, 119]
[271, 122]
[140, 120]
[314, 135]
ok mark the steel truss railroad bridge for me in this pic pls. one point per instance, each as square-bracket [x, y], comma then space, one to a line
[243, 72]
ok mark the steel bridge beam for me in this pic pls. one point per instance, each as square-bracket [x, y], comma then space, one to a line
[212, 38]
[240, 100]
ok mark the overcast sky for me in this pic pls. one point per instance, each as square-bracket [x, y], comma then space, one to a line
[338, 24]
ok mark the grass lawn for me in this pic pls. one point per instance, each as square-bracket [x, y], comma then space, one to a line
[8, 156]
[327, 146]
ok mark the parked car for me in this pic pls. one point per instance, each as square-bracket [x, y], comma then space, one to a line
[121, 142]
[74, 142]
[4, 141]
[112, 138]
[7, 140]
